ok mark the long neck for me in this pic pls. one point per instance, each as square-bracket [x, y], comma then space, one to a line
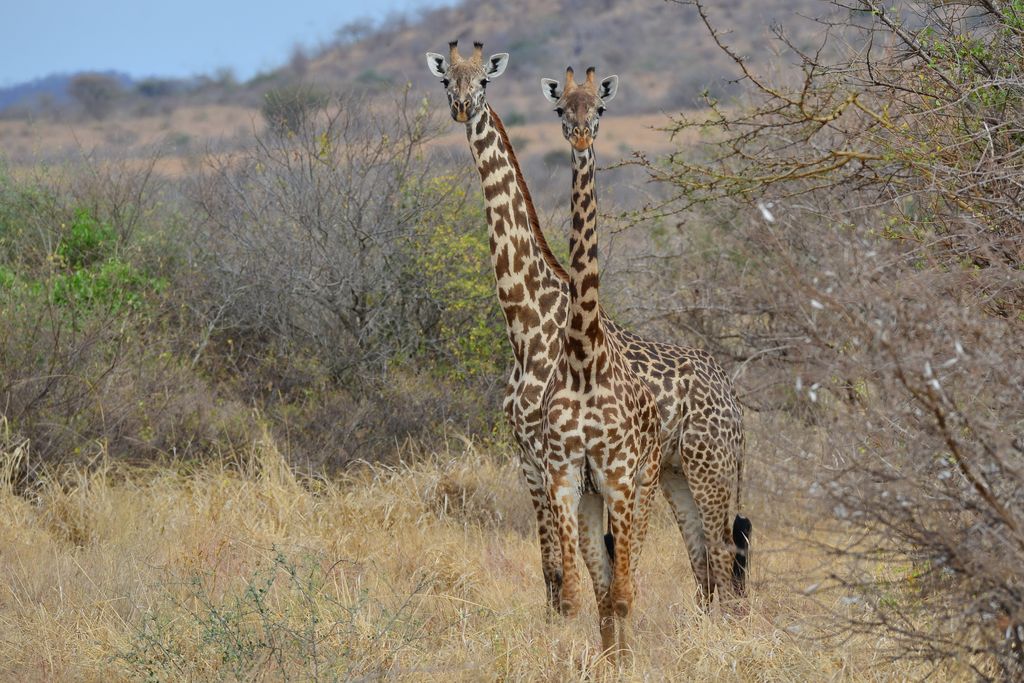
[530, 282]
[584, 334]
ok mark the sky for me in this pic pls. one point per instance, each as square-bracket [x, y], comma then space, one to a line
[179, 38]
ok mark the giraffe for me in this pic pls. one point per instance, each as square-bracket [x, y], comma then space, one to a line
[702, 488]
[701, 421]
[601, 422]
[529, 280]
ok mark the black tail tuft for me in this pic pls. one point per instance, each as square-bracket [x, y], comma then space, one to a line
[741, 528]
[609, 544]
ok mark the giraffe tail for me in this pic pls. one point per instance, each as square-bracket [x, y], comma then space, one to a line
[741, 529]
[609, 540]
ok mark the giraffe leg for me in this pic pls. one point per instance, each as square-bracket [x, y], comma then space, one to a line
[620, 499]
[718, 532]
[565, 501]
[547, 531]
[677, 492]
[714, 493]
[595, 555]
[647, 484]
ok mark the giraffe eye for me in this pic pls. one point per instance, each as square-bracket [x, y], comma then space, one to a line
[444, 82]
[483, 83]
[600, 111]
[559, 111]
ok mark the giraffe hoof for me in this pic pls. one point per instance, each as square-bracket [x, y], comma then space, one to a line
[622, 599]
[568, 608]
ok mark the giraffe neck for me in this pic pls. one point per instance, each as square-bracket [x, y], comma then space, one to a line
[529, 280]
[584, 333]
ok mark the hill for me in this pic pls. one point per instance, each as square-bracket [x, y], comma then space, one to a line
[48, 91]
[662, 52]
[661, 49]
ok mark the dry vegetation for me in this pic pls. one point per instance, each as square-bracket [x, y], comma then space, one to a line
[422, 571]
[235, 377]
[186, 119]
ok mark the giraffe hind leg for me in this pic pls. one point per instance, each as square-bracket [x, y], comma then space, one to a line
[596, 556]
[676, 490]
[714, 493]
[620, 500]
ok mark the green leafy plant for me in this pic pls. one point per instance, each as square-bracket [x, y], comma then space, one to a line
[86, 241]
[454, 257]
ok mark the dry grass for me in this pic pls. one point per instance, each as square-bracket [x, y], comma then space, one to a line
[126, 130]
[133, 138]
[428, 571]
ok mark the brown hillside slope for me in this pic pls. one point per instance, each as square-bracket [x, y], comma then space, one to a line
[664, 47]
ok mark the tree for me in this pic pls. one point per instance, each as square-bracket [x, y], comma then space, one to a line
[95, 93]
[288, 109]
[870, 203]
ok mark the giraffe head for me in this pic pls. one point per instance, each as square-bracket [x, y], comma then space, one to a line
[465, 78]
[580, 106]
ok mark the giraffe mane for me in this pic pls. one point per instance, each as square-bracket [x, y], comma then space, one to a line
[531, 210]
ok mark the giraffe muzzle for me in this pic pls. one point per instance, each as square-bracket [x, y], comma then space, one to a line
[460, 111]
[581, 142]
[581, 139]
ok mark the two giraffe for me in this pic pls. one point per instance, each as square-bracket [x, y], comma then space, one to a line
[699, 436]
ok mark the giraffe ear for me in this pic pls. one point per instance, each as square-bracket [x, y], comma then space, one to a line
[496, 65]
[608, 88]
[552, 90]
[437, 64]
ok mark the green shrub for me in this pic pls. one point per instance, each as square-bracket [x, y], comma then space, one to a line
[86, 241]
[455, 258]
[112, 285]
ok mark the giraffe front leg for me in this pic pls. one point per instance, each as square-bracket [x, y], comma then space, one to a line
[547, 532]
[620, 500]
[565, 499]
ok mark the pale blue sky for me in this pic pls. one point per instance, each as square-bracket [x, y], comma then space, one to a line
[170, 38]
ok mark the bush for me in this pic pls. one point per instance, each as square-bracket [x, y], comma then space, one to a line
[85, 242]
[97, 94]
[866, 217]
[284, 619]
[89, 363]
[349, 283]
[289, 109]
[453, 259]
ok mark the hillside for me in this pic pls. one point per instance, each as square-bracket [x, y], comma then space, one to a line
[47, 92]
[661, 49]
[664, 71]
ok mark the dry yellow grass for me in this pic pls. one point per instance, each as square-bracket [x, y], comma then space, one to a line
[130, 133]
[131, 138]
[424, 571]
